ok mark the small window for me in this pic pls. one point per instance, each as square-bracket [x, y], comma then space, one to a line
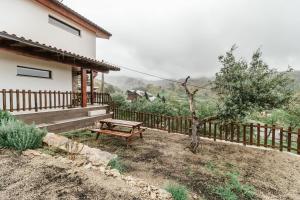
[63, 25]
[33, 72]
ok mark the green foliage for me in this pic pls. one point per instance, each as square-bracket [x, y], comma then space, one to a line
[178, 192]
[78, 134]
[20, 136]
[285, 118]
[5, 116]
[234, 190]
[117, 164]
[171, 107]
[210, 166]
[246, 87]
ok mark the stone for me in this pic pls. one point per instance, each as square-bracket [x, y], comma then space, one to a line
[88, 166]
[31, 153]
[93, 155]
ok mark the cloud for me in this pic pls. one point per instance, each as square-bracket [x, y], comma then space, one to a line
[175, 38]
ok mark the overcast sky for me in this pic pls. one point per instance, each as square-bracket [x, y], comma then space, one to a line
[176, 38]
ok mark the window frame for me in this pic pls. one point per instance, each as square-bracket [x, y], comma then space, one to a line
[50, 17]
[37, 69]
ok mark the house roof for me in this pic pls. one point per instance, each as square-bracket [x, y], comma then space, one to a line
[28, 47]
[69, 13]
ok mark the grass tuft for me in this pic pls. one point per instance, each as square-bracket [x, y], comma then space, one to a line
[178, 192]
[234, 190]
[116, 163]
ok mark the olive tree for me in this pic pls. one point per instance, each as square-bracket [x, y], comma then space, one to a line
[243, 87]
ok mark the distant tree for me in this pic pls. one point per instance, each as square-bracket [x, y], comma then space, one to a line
[163, 99]
[245, 87]
[146, 96]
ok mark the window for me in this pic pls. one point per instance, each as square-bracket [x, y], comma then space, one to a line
[63, 25]
[33, 72]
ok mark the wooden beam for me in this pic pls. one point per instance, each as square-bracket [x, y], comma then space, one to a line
[92, 87]
[83, 88]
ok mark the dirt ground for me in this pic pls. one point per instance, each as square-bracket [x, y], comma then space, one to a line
[47, 177]
[162, 158]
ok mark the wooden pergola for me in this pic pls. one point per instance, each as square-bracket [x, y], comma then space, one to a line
[29, 48]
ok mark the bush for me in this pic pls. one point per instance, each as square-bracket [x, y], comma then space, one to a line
[20, 136]
[234, 190]
[5, 116]
[178, 192]
[117, 164]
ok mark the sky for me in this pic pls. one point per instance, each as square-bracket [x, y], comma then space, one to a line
[177, 38]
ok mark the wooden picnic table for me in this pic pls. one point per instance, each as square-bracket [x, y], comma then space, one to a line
[107, 127]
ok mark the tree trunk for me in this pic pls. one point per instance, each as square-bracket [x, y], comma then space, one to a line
[195, 122]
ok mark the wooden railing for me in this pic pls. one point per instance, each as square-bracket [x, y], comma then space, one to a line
[99, 98]
[27, 100]
[269, 136]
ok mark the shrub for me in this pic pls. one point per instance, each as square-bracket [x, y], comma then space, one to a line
[234, 190]
[5, 116]
[20, 136]
[115, 163]
[178, 192]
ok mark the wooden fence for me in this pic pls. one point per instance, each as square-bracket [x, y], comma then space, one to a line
[269, 136]
[27, 100]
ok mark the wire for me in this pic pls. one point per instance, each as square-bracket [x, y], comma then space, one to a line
[144, 73]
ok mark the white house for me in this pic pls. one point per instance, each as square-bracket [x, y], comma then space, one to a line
[45, 45]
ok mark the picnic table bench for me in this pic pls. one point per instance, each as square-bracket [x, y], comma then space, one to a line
[107, 128]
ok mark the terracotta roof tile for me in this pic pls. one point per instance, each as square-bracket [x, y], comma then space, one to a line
[102, 63]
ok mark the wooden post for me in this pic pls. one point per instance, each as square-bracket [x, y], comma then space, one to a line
[298, 142]
[18, 99]
[251, 134]
[92, 87]
[258, 135]
[266, 136]
[281, 139]
[273, 136]
[83, 88]
[289, 139]
[35, 102]
[244, 135]
[11, 101]
[215, 131]
[4, 99]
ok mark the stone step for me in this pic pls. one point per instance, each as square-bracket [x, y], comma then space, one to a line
[96, 112]
[73, 123]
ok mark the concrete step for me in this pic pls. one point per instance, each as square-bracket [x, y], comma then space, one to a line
[73, 123]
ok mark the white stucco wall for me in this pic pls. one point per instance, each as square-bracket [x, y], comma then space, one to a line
[30, 19]
[61, 74]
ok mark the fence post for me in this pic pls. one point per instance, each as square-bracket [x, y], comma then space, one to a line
[169, 125]
[244, 135]
[281, 139]
[251, 134]
[4, 99]
[266, 136]
[11, 101]
[215, 131]
[258, 135]
[298, 146]
[289, 144]
[273, 136]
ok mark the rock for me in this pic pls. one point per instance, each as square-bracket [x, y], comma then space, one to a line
[113, 172]
[88, 166]
[31, 153]
[94, 155]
